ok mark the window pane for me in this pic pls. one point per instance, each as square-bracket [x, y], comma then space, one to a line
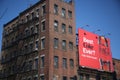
[43, 43]
[43, 26]
[36, 44]
[56, 9]
[70, 30]
[42, 78]
[81, 76]
[71, 45]
[64, 78]
[71, 63]
[56, 61]
[55, 42]
[42, 62]
[63, 28]
[36, 63]
[56, 25]
[63, 12]
[87, 77]
[43, 10]
[64, 63]
[64, 44]
[70, 14]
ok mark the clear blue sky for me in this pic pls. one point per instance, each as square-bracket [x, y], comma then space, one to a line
[98, 14]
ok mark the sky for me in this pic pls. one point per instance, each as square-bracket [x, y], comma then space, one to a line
[91, 15]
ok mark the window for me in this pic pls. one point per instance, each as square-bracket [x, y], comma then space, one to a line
[55, 9]
[36, 45]
[63, 12]
[31, 46]
[42, 43]
[64, 44]
[70, 29]
[72, 78]
[37, 12]
[63, 28]
[81, 77]
[35, 78]
[56, 61]
[55, 42]
[87, 77]
[32, 30]
[71, 63]
[70, 14]
[27, 18]
[36, 63]
[56, 25]
[64, 78]
[71, 45]
[32, 15]
[37, 28]
[64, 63]
[29, 78]
[30, 65]
[42, 77]
[43, 26]
[42, 61]
[43, 10]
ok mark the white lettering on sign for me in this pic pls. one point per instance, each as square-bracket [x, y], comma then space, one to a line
[88, 47]
[91, 52]
[87, 40]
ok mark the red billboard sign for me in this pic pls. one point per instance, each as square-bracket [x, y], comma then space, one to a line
[94, 51]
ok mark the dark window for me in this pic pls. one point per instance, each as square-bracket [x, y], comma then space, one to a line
[42, 61]
[37, 12]
[55, 42]
[43, 43]
[29, 79]
[64, 44]
[55, 9]
[36, 63]
[72, 78]
[70, 14]
[87, 77]
[64, 63]
[42, 78]
[37, 28]
[64, 78]
[32, 30]
[36, 45]
[71, 45]
[56, 25]
[63, 12]
[81, 77]
[70, 29]
[43, 9]
[63, 28]
[31, 46]
[56, 61]
[32, 15]
[71, 63]
[35, 78]
[43, 26]
[30, 65]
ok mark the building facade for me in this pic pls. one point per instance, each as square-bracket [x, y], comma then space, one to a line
[40, 43]
[116, 63]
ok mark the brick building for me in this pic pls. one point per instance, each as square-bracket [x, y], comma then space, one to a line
[40, 43]
[116, 63]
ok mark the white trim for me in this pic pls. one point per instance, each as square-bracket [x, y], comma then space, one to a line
[42, 37]
[41, 74]
[36, 57]
[43, 55]
[43, 20]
